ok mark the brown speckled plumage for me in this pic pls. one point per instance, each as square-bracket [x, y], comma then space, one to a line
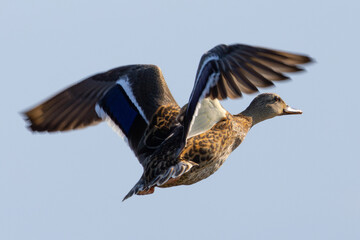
[175, 146]
[210, 149]
[204, 153]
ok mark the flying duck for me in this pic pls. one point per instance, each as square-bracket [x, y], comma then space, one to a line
[175, 146]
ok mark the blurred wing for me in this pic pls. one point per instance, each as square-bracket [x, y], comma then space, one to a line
[126, 96]
[228, 71]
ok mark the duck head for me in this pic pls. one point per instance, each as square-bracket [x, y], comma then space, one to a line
[266, 106]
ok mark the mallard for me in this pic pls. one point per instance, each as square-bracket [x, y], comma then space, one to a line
[175, 146]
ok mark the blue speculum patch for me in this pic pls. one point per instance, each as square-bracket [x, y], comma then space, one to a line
[119, 108]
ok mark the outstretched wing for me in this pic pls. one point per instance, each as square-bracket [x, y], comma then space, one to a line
[230, 70]
[127, 96]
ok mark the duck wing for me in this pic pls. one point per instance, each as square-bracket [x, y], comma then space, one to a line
[127, 97]
[227, 71]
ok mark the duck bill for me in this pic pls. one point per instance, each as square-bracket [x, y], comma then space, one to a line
[289, 110]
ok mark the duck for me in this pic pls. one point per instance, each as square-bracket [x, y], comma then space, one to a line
[175, 145]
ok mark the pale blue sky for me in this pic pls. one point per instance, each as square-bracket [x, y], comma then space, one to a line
[294, 177]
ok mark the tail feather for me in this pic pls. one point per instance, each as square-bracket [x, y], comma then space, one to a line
[139, 186]
[142, 187]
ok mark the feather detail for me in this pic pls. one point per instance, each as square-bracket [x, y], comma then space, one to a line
[210, 112]
[172, 172]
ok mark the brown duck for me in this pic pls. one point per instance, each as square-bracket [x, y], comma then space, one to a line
[175, 146]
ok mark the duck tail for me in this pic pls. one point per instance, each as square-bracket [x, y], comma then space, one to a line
[143, 187]
[139, 186]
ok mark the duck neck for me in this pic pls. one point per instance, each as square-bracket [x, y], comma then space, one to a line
[254, 115]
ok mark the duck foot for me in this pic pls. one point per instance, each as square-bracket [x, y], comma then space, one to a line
[146, 192]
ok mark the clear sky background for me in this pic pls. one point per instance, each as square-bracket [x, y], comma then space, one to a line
[294, 177]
